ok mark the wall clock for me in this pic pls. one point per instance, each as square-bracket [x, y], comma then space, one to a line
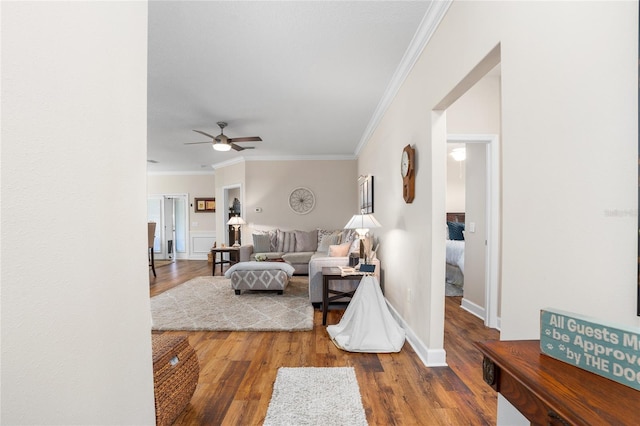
[407, 169]
[302, 200]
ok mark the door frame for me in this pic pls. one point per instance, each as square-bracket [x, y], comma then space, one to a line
[163, 254]
[492, 205]
[226, 203]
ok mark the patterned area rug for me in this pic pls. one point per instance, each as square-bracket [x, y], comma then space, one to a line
[316, 396]
[209, 303]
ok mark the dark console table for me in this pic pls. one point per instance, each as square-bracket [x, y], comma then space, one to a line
[551, 392]
[234, 257]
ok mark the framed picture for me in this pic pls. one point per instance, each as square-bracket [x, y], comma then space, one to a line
[204, 205]
[365, 194]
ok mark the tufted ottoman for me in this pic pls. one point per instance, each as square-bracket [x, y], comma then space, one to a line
[260, 276]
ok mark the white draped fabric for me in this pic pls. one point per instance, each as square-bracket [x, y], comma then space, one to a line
[367, 324]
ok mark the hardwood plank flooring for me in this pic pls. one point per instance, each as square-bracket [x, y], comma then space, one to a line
[238, 369]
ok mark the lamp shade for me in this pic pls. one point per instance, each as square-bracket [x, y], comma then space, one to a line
[362, 223]
[236, 220]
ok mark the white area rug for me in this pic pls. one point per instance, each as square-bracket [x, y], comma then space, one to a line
[209, 303]
[316, 396]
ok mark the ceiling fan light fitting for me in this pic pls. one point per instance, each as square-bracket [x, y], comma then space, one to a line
[220, 146]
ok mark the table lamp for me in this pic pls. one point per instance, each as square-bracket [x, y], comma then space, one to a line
[362, 223]
[236, 221]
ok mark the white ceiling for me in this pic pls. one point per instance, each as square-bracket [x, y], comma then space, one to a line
[306, 76]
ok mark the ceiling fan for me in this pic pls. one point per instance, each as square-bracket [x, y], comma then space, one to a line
[223, 143]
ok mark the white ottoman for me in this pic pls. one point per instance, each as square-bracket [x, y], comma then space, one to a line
[260, 276]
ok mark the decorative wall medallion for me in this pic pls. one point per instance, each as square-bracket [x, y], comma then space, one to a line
[302, 200]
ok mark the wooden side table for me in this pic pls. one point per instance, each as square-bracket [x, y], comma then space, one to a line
[548, 391]
[234, 257]
[328, 294]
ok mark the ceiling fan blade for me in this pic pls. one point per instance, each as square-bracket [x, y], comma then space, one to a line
[196, 143]
[206, 134]
[237, 147]
[247, 139]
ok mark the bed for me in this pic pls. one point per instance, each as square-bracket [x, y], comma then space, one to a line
[455, 249]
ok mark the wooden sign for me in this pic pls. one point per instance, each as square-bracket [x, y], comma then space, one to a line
[612, 351]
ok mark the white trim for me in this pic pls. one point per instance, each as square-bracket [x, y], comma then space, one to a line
[429, 357]
[182, 173]
[201, 239]
[423, 34]
[490, 315]
[472, 308]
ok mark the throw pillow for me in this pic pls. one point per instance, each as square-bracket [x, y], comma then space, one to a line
[261, 243]
[323, 232]
[327, 241]
[306, 241]
[455, 230]
[340, 250]
[286, 241]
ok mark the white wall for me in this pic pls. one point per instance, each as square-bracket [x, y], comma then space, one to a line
[269, 184]
[76, 341]
[566, 96]
[475, 247]
[197, 186]
[455, 181]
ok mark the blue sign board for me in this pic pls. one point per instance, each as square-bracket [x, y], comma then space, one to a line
[612, 351]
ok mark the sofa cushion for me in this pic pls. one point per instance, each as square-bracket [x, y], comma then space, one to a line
[286, 241]
[298, 257]
[306, 241]
[261, 243]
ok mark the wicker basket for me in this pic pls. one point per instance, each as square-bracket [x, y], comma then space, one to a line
[175, 375]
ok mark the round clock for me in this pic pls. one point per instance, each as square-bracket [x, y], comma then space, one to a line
[404, 164]
[302, 200]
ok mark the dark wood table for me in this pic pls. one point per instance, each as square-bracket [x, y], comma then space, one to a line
[548, 391]
[234, 257]
[328, 294]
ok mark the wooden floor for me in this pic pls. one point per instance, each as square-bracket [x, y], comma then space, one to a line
[238, 369]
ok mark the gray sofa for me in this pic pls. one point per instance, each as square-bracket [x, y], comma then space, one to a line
[299, 247]
[307, 251]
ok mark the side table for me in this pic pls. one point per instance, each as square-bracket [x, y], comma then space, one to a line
[234, 257]
[333, 273]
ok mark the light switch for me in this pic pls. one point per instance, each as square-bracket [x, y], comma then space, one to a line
[472, 227]
[194, 224]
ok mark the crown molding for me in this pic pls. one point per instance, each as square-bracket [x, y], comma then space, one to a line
[285, 158]
[425, 31]
[180, 173]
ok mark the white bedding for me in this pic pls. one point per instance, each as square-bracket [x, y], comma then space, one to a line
[455, 253]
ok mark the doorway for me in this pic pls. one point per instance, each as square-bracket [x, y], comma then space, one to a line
[169, 211]
[481, 213]
[232, 200]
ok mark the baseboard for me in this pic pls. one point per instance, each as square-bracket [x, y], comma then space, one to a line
[429, 357]
[472, 308]
[477, 311]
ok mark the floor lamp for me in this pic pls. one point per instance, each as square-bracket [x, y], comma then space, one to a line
[236, 221]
